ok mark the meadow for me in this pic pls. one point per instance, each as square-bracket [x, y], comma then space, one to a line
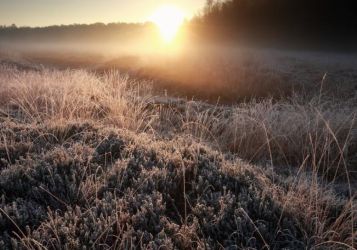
[236, 149]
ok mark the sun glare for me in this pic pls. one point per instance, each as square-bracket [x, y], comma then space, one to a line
[169, 20]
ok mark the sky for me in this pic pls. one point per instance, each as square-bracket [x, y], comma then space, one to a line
[55, 12]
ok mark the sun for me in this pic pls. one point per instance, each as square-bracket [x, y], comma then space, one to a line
[169, 20]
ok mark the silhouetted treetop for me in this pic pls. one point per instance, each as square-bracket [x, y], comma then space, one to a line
[335, 20]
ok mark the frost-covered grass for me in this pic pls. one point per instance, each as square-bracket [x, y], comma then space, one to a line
[100, 161]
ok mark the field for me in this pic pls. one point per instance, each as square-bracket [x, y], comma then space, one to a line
[236, 149]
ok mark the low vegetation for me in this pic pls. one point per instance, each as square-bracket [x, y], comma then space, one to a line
[99, 160]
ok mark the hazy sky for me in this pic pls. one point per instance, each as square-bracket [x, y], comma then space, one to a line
[49, 12]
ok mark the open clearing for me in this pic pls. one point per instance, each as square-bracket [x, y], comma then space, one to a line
[91, 157]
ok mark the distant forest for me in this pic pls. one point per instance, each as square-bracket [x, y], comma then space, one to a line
[314, 22]
[97, 32]
[288, 23]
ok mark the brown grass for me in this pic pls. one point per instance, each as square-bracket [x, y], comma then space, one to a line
[121, 156]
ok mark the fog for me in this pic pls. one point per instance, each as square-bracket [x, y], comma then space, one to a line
[193, 65]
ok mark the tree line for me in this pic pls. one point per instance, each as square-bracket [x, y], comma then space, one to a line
[319, 23]
[97, 32]
[299, 21]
